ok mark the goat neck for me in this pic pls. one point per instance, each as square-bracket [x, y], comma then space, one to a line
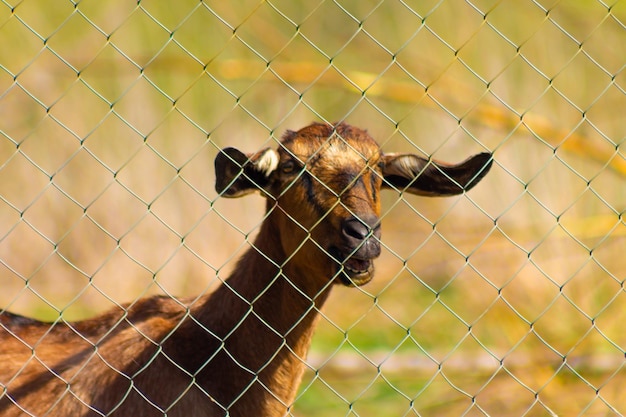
[265, 315]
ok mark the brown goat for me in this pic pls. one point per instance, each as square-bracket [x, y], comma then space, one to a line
[241, 350]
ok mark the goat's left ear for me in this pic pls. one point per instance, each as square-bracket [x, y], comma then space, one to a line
[238, 174]
[416, 175]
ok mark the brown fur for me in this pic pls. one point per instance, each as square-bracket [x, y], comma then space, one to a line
[240, 350]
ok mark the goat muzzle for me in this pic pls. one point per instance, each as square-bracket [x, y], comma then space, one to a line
[360, 246]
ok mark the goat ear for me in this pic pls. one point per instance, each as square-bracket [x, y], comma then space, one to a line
[420, 176]
[238, 174]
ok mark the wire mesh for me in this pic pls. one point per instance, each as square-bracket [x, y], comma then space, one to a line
[508, 300]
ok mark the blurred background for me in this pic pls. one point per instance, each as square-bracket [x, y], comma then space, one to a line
[506, 301]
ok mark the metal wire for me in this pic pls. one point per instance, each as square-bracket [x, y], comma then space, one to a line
[508, 300]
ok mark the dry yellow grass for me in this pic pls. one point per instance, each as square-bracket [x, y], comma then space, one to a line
[506, 301]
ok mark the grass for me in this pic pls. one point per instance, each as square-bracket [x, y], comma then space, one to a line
[506, 301]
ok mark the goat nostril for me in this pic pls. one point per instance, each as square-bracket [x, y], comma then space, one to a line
[360, 229]
[355, 229]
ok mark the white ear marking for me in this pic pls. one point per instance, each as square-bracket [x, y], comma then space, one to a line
[267, 162]
[406, 166]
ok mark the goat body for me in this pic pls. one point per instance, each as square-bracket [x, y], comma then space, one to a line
[241, 350]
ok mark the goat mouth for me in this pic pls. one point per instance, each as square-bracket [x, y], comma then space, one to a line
[352, 271]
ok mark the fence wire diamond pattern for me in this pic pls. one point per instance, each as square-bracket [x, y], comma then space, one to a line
[507, 300]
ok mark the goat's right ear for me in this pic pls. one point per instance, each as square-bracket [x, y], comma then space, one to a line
[238, 174]
[427, 177]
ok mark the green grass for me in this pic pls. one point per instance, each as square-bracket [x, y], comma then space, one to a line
[507, 301]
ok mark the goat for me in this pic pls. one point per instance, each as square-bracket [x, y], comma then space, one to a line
[240, 350]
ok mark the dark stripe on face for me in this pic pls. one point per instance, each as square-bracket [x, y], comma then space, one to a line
[307, 183]
[374, 188]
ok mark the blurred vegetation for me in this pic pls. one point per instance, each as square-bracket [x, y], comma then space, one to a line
[506, 301]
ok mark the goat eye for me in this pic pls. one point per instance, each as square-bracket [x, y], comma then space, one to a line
[288, 166]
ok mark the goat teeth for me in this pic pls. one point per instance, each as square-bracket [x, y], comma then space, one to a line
[357, 266]
[358, 271]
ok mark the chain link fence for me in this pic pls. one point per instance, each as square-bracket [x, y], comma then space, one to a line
[507, 301]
